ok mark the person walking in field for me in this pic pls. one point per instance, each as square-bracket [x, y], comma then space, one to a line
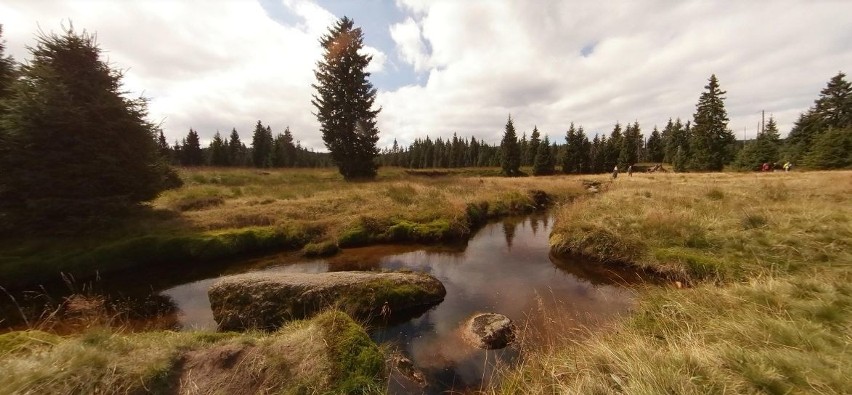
[615, 172]
[630, 171]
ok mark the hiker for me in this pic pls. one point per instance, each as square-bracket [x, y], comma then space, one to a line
[615, 172]
[630, 171]
[386, 311]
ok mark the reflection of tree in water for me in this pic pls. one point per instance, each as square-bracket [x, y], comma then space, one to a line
[534, 225]
[509, 228]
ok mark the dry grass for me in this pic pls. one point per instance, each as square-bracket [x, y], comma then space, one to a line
[714, 226]
[771, 306]
[227, 213]
[305, 357]
[319, 197]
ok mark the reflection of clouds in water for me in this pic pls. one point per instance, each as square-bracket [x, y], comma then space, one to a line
[520, 282]
[194, 307]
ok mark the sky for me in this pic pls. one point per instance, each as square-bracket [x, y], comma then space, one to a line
[459, 66]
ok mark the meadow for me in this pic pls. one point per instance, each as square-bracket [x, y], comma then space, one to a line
[759, 299]
[225, 213]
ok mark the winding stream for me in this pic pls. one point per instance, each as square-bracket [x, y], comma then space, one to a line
[505, 268]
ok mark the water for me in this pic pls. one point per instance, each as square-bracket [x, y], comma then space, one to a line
[505, 268]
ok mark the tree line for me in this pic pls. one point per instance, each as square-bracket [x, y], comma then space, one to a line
[820, 139]
[265, 151]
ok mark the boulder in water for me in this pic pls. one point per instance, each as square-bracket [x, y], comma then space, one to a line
[267, 300]
[489, 331]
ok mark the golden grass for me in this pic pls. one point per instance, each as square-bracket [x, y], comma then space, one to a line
[771, 306]
[305, 357]
[319, 197]
[224, 213]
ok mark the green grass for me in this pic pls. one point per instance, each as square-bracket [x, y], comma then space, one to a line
[228, 213]
[770, 306]
[327, 354]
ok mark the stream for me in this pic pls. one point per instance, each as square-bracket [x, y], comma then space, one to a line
[504, 268]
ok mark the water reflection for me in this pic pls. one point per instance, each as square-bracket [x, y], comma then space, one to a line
[505, 268]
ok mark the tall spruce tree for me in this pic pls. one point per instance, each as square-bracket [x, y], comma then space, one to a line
[543, 164]
[831, 149]
[344, 102]
[613, 148]
[510, 151]
[532, 146]
[656, 151]
[75, 146]
[7, 69]
[261, 145]
[831, 110]
[235, 149]
[629, 152]
[711, 142]
[191, 150]
[764, 149]
[218, 151]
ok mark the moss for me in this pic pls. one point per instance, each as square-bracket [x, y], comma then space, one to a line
[359, 366]
[321, 249]
[437, 230]
[354, 237]
[156, 249]
[696, 264]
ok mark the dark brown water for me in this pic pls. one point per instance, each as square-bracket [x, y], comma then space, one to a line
[505, 268]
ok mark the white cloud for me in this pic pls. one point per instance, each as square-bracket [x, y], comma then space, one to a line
[649, 61]
[409, 41]
[377, 63]
[225, 63]
[206, 65]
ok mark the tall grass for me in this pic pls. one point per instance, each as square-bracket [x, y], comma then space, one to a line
[327, 354]
[770, 307]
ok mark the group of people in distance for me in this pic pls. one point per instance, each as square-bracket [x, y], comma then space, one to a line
[774, 166]
[629, 171]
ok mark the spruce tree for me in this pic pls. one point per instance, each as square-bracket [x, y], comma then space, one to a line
[764, 149]
[235, 149]
[532, 146]
[344, 102]
[7, 69]
[630, 143]
[261, 145]
[163, 146]
[613, 148]
[656, 151]
[711, 141]
[510, 158]
[832, 149]
[571, 157]
[218, 151]
[832, 110]
[191, 150]
[75, 146]
[543, 159]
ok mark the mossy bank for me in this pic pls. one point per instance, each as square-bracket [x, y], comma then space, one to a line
[329, 354]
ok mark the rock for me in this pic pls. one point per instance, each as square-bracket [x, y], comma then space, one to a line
[489, 331]
[267, 300]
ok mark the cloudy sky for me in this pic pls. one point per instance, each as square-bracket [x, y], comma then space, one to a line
[460, 66]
